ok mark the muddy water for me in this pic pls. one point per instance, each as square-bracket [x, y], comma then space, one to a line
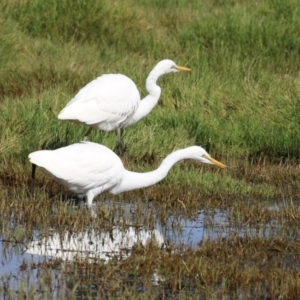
[17, 261]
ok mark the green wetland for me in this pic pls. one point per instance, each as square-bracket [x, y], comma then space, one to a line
[201, 233]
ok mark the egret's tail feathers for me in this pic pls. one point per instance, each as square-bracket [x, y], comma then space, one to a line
[39, 157]
[81, 111]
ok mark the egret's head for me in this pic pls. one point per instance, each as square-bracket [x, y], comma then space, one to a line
[198, 153]
[168, 66]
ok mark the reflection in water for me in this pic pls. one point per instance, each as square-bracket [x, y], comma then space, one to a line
[96, 245]
[19, 264]
[19, 267]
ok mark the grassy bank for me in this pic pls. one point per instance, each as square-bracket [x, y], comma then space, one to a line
[241, 103]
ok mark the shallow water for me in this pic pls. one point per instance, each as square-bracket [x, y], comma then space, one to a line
[21, 262]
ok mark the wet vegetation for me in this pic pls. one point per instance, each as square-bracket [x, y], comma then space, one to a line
[241, 103]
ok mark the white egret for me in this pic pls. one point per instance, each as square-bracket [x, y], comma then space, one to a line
[112, 101]
[88, 169]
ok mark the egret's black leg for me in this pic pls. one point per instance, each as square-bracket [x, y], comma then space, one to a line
[32, 180]
[120, 146]
[87, 134]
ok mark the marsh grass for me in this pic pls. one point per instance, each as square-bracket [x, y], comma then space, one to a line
[241, 102]
[258, 265]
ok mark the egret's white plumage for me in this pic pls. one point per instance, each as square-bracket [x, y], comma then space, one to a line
[112, 101]
[89, 169]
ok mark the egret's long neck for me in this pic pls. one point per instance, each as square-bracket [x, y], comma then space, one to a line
[133, 180]
[148, 103]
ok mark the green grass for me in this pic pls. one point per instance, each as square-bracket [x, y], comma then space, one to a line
[241, 100]
[242, 96]
[241, 103]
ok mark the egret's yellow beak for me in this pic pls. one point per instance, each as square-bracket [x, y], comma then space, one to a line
[215, 162]
[184, 69]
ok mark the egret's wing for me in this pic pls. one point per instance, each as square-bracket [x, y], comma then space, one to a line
[81, 166]
[110, 98]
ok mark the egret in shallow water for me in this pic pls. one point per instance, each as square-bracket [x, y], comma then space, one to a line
[112, 101]
[88, 169]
